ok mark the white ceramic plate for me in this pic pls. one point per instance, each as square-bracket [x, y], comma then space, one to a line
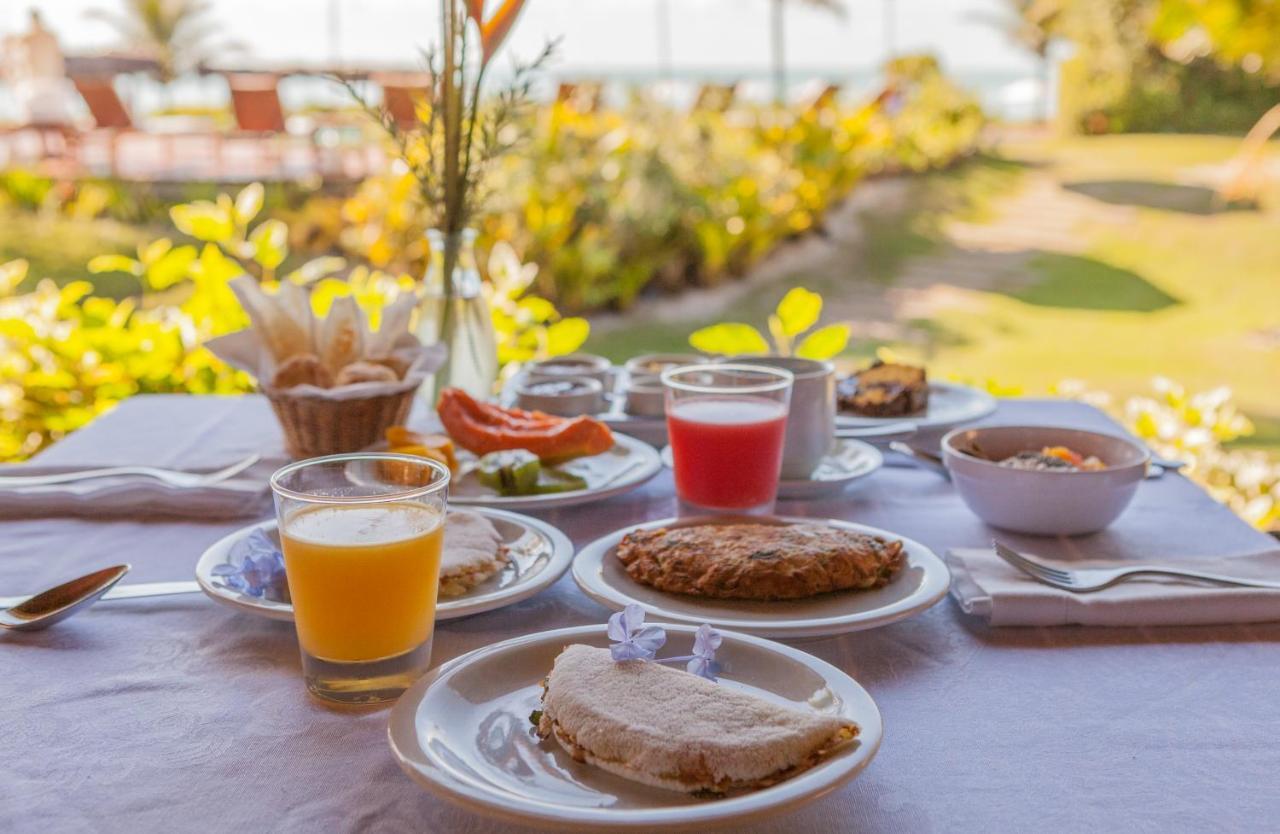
[848, 461]
[949, 405]
[626, 466]
[539, 555]
[463, 732]
[922, 582]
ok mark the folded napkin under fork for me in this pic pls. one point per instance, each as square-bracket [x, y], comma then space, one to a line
[986, 586]
[168, 431]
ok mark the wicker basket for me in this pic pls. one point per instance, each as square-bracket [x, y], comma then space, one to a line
[315, 426]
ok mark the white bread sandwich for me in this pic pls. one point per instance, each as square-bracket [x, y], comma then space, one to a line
[671, 729]
[473, 551]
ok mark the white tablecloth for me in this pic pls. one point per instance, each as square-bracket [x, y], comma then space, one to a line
[180, 715]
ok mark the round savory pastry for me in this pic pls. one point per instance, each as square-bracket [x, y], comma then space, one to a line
[759, 561]
[364, 372]
[302, 369]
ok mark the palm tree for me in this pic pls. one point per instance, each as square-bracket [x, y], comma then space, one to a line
[176, 34]
[779, 40]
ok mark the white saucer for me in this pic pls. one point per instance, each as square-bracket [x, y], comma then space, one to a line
[463, 732]
[950, 405]
[923, 581]
[847, 462]
[539, 555]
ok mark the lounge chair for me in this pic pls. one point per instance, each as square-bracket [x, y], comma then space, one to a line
[402, 94]
[715, 98]
[260, 126]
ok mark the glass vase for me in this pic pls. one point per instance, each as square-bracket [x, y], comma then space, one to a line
[457, 314]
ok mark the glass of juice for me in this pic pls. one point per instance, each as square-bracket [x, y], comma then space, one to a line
[361, 535]
[726, 425]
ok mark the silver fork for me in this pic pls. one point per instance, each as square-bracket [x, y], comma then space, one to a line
[169, 476]
[1084, 580]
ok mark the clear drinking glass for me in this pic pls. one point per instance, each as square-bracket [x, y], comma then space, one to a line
[726, 425]
[362, 535]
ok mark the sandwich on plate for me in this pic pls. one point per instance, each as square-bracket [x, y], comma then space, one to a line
[672, 729]
[473, 551]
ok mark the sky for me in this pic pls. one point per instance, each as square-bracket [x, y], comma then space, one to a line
[607, 35]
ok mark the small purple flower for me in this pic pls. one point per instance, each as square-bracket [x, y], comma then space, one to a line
[705, 643]
[256, 569]
[633, 640]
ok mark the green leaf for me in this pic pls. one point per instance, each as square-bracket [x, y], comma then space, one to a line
[799, 310]
[115, 263]
[538, 310]
[270, 243]
[566, 336]
[316, 268]
[203, 220]
[171, 269]
[153, 250]
[825, 342]
[729, 338]
[11, 274]
[249, 202]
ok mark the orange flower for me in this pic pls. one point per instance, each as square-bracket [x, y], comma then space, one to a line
[494, 31]
[475, 11]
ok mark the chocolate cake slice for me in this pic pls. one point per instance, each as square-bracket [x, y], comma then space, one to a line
[884, 390]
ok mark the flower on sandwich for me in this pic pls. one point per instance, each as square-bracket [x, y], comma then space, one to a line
[632, 639]
[256, 569]
[705, 643]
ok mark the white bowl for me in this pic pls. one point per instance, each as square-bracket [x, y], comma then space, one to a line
[586, 397]
[571, 365]
[651, 365]
[646, 397]
[1040, 502]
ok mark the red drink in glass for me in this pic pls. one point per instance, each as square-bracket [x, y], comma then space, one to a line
[727, 451]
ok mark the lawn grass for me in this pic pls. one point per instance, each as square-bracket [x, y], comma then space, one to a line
[59, 247]
[1179, 289]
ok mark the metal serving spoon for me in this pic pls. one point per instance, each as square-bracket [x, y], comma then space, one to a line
[48, 607]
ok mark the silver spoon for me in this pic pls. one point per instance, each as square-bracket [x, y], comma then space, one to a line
[48, 607]
[923, 458]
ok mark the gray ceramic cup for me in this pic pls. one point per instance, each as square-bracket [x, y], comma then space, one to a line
[811, 421]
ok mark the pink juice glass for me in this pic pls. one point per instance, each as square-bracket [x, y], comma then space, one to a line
[726, 425]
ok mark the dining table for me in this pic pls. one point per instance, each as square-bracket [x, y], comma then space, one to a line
[180, 714]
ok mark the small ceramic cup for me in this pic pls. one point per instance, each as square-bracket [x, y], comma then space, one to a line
[651, 365]
[561, 396]
[811, 420]
[571, 365]
[646, 397]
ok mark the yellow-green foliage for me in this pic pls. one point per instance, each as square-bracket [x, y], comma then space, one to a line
[793, 327]
[1194, 426]
[609, 203]
[66, 356]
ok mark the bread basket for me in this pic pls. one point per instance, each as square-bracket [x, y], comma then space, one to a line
[315, 426]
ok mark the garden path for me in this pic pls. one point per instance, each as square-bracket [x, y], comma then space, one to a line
[990, 253]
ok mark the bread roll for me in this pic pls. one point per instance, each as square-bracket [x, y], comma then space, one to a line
[302, 369]
[364, 372]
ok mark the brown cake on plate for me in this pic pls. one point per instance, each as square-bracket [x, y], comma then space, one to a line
[884, 390]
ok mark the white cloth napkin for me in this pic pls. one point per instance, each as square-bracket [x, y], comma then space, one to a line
[986, 586]
[198, 434]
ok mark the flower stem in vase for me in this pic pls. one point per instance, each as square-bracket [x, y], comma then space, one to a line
[455, 311]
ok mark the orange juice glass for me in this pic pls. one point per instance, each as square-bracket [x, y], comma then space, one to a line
[361, 535]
